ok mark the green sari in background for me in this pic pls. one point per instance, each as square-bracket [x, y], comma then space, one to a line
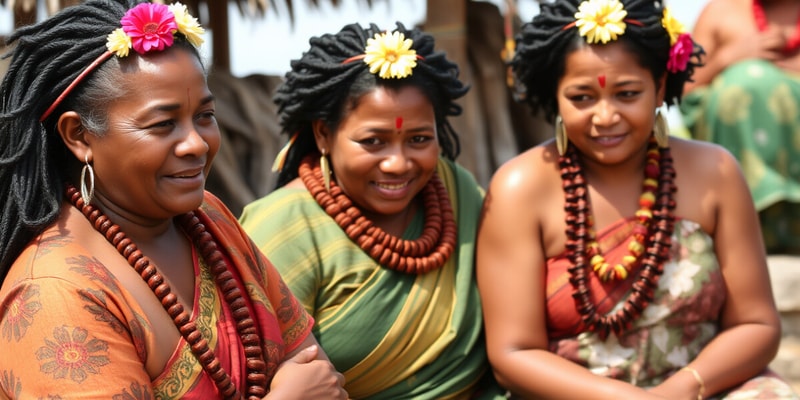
[753, 109]
[392, 335]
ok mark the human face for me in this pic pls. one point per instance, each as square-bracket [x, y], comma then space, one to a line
[608, 102]
[162, 135]
[385, 150]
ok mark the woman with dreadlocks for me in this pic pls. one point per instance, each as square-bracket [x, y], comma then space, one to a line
[373, 224]
[139, 284]
[614, 261]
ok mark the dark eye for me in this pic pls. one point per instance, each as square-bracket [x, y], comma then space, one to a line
[370, 141]
[162, 124]
[579, 97]
[209, 116]
[629, 93]
[421, 139]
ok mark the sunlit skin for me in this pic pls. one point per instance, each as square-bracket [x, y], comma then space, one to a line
[162, 136]
[151, 165]
[609, 118]
[523, 225]
[384, 152]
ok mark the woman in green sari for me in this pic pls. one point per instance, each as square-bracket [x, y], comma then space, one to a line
[373, 223]
[747, 98]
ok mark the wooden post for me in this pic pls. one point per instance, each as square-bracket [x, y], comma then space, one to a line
[218, 23]
[447, 22]
[23, 17]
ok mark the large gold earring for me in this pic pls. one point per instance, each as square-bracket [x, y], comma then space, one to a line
[325, 168]
[87, 193]
[561, 136]
[661, 130]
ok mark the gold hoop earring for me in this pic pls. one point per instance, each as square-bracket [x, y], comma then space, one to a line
[661, 130]
[87, 194]
[325, 168]
[562, 142]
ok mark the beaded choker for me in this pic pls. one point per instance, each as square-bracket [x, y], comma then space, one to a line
[430, 251]
[657, 242]
[257, 383]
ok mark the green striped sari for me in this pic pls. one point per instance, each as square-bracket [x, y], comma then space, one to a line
[392, 335]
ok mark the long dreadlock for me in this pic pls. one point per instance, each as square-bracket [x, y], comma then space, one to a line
[34, 162]
[320, 86]
[543, 45]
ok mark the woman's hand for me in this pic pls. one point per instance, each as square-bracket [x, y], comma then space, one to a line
[307, 375]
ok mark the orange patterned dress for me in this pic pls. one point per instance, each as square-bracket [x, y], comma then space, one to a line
[69, 328]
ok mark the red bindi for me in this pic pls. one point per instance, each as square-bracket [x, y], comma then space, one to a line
[398, 122]
[601, 79]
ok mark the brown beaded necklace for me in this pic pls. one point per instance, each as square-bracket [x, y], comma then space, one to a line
[256, 366]
[430, 251]
[579, 239]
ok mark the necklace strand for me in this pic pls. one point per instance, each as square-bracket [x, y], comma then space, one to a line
[430, 251]
[255, 364]
[657, 243]
[644, 216]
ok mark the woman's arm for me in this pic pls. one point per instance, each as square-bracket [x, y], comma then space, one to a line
[511, 279]
[750, 325]
[306, 373]
[728, 40]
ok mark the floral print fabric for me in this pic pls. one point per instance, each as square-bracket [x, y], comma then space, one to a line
[671, 331]
[752, 109]
[70, 328]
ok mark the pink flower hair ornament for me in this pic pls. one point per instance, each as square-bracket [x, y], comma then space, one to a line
[681, 43]
[145, 28]
[680, 53]
[152, 27]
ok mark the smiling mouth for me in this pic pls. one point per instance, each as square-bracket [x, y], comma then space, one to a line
[185, 175]
[391, 186]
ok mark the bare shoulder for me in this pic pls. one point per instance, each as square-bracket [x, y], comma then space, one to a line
[529, 173]
[738, 16]
[736, 8]
[707, 178]
[702, 160]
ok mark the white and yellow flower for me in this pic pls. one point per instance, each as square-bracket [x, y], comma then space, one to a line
[187, 24]
[119, 43]
[390, 55]
[600, 21]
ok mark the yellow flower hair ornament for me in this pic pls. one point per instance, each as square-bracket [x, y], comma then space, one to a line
[389, 55]
[601, 21]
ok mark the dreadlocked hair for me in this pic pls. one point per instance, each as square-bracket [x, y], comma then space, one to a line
[321, 86]
[34, 162]
[543, 45]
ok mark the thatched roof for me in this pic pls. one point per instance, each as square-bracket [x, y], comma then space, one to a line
[248, 8]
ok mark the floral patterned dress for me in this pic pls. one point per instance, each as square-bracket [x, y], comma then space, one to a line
[671, 331]
[71, 328]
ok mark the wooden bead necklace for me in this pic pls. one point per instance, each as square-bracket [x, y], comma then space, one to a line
[256, 378]
[657, 242]
[643, 217]
[430, 251]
